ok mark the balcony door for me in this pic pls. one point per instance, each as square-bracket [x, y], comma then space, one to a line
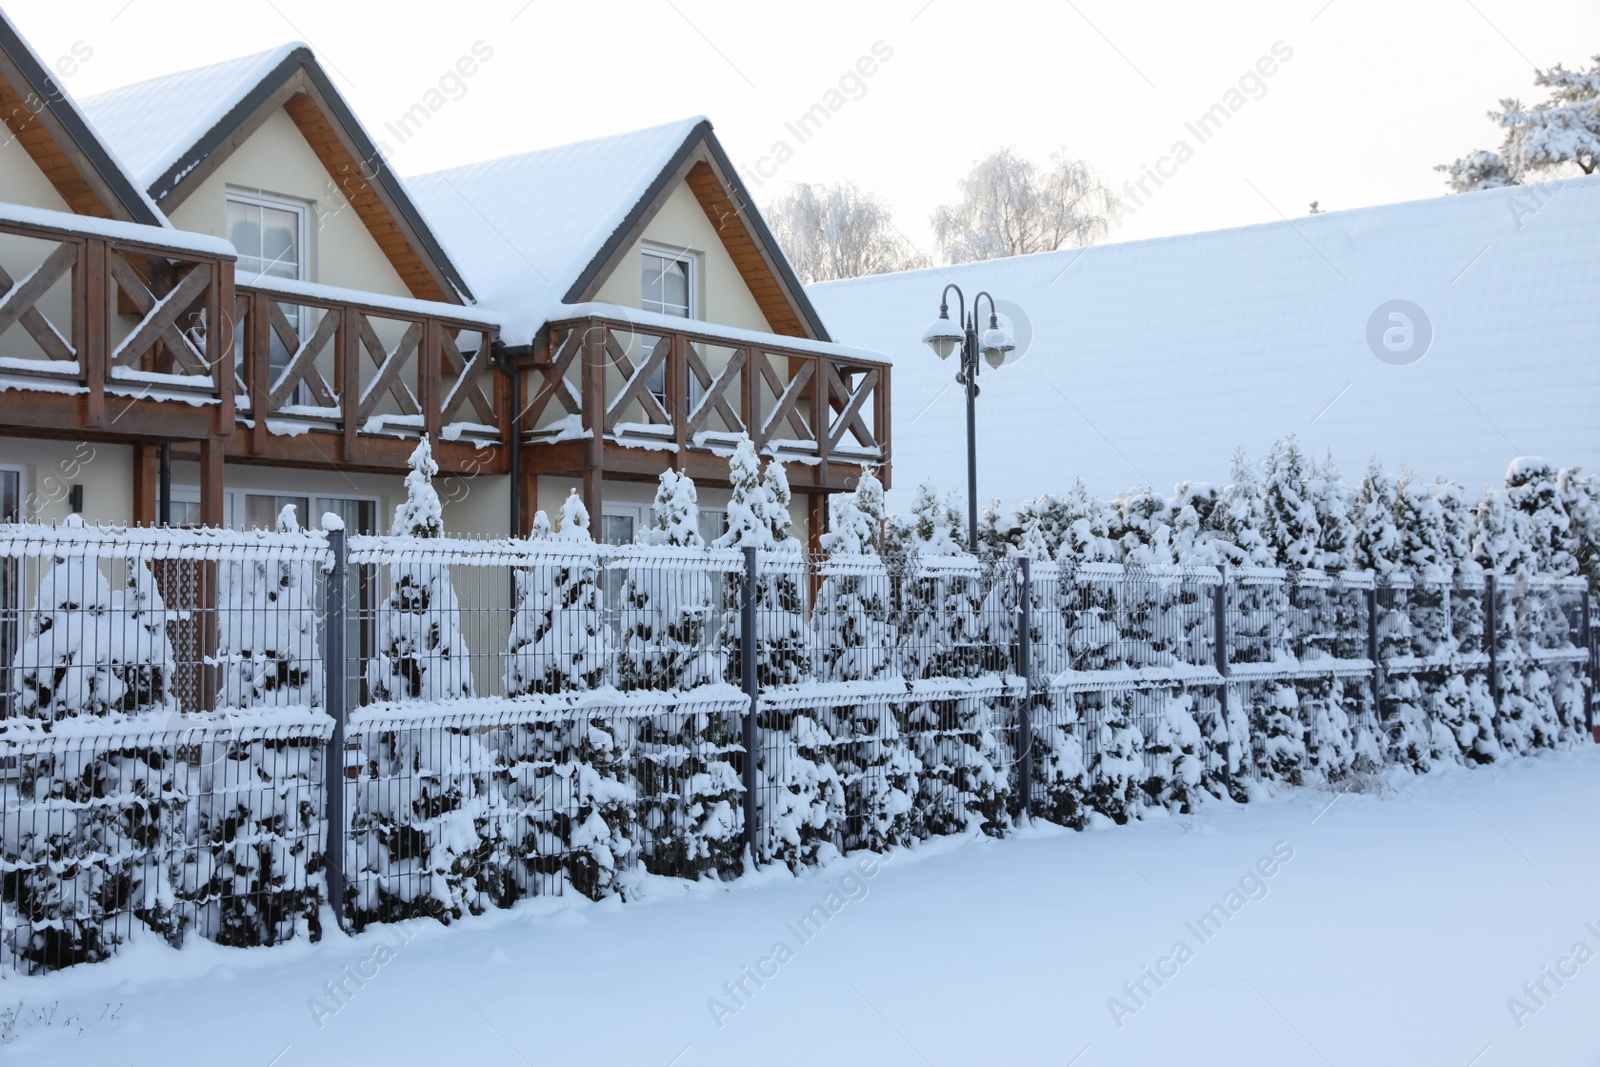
[272, 235]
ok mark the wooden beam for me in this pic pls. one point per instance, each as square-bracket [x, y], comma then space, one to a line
[729, 220]
[146, 482]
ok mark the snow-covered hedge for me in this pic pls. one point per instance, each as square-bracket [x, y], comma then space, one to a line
[602, 738]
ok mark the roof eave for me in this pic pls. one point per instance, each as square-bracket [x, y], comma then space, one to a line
[72, 124]
[302, 59]
[700, 134]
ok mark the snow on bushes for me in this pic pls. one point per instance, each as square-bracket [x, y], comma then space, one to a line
[802, 799]
[421, 655]
[267, 630]
[854, 638]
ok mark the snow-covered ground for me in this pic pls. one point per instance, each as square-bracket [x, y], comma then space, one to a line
[1395, 932]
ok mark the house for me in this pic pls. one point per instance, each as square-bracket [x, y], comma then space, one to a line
[1150, 362]
[649, 298]
[269, 314]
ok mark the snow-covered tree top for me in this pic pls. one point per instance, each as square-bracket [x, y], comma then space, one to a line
[758, 509]
[421, 514]
[676, 511]
[574, 520]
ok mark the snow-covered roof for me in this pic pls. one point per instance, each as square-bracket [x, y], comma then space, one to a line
[152, 123]
[1152, 361]
[525, 227]
[74, 124]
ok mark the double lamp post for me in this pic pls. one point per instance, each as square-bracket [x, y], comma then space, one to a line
[947, 338]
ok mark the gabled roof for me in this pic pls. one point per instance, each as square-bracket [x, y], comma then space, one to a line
[177, 129]
[1151, 361]
[541, 230]
[51, 129]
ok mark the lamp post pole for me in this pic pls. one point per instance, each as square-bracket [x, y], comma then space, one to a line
[946, 338]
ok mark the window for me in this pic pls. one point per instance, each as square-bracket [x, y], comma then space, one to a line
[668, 284]
[713, 524]
[668, 288]
[273, 236]
[249, 509]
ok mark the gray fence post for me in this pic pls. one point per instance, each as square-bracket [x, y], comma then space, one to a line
[1588, 648]
[1491, 615]
[1372, 654]
[1025, 668]
[333, 689]
[752, 690]
[1219, 649]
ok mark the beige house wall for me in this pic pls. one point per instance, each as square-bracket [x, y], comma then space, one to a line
[22, 182]
[681, 224]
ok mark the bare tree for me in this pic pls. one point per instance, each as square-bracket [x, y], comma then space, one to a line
[1565, 129]
[1010, 206]
[837, 231]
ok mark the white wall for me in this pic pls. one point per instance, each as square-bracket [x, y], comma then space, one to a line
[22, 182]
[50, 468]
[277, 161]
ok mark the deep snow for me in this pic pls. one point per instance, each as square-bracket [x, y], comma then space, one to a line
[1394, 935]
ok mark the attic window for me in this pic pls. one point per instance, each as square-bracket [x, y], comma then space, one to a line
[668, 282]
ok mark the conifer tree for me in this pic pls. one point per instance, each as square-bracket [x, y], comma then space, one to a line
[802, 798]
[854, 641]
[267, 630]
[666, 609]
[421, 654]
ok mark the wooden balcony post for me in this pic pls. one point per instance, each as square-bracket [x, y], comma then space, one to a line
[430, 388]
[258, 367]
[146, 478]
[821, 405]
[96, 331]
[594, 419]
[219, 341]
[750, 395]
[678, 392]
[880, 423]
[347, 368]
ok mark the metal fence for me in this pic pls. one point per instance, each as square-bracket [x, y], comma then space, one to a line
[216, 733]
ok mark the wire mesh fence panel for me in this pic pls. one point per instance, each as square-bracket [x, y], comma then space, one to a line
[211, 831]
[541, 716]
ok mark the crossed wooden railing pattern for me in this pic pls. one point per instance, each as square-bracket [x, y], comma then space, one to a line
[798, 400]
[138, 317]
[421, 383]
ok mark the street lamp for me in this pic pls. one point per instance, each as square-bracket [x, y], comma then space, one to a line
[946, 338]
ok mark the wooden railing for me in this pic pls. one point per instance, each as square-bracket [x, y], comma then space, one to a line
[356, 364]
[115, 309]
[604, 379]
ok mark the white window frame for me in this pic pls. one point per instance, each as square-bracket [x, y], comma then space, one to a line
[21, 472]
[686, 256]
[301, 208]
[621, 510]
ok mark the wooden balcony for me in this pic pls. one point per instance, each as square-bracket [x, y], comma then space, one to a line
[136, 334]
[612, 396]
[105, 329]
[329, 375]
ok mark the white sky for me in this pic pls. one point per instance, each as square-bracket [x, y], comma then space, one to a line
[1376, 93]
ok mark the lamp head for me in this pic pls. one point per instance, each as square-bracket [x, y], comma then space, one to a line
[942, 335]
[997, 344]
